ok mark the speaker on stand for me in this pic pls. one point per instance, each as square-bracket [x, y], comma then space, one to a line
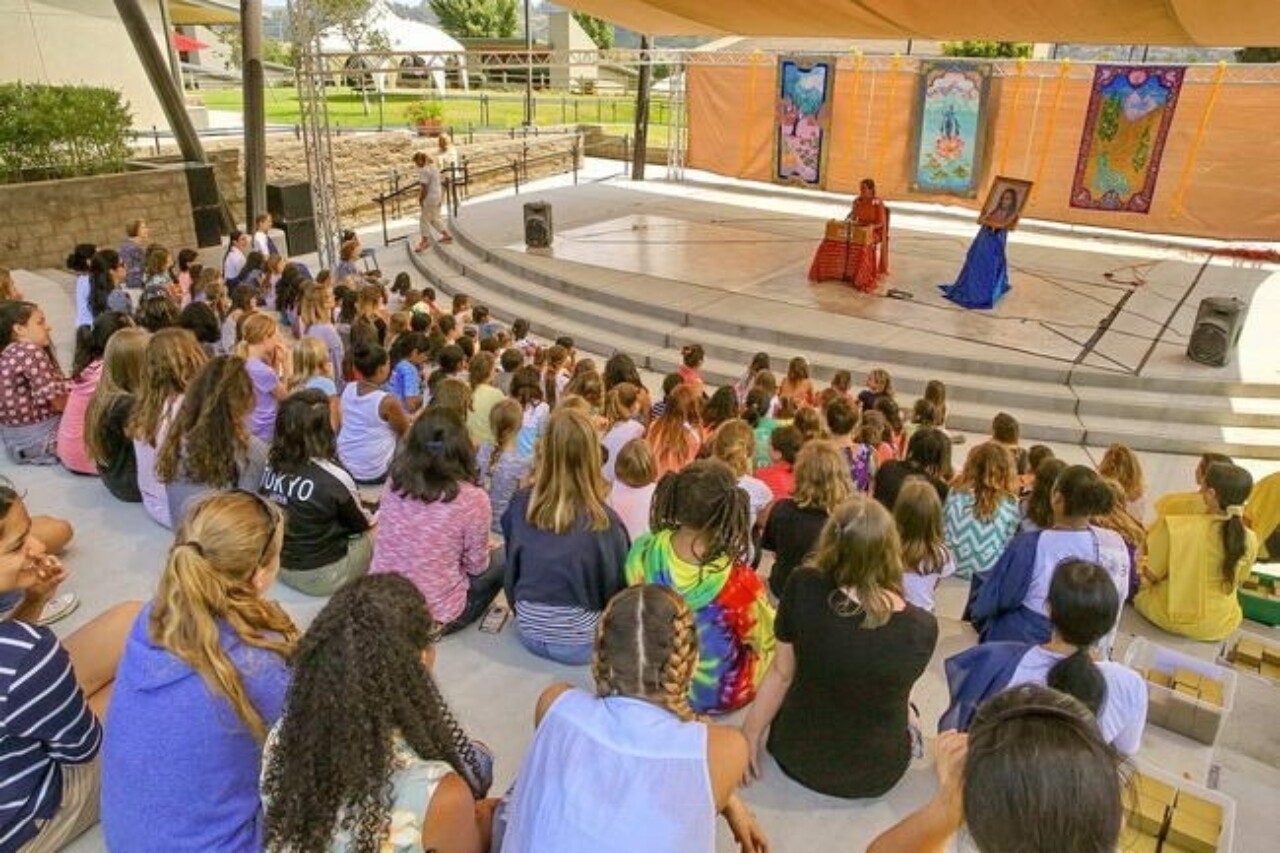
[537, 225]
[1219, 321]
[290, 207]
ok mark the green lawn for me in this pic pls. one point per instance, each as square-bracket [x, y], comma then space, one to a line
[463, 111]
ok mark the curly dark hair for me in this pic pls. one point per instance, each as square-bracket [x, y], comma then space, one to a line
[358, 682]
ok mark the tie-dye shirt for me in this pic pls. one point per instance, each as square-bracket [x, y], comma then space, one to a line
[732, 613]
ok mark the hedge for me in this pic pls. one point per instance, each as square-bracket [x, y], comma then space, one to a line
[49, 132]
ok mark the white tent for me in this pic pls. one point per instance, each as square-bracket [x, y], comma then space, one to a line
[425, 45]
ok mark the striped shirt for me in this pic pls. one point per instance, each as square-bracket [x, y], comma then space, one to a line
[44, 723]
[554, 623]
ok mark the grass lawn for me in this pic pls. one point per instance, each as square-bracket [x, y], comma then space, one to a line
[462, 111]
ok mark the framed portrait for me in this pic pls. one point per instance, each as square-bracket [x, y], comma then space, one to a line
[1005, 201]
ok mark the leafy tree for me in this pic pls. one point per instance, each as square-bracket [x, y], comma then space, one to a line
[601, 32]
[1258, 54]
[476, 18]
[987, 49]
[351, 19]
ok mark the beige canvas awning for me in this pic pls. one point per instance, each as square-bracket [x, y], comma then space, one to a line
[1213, 23]
[207, 12]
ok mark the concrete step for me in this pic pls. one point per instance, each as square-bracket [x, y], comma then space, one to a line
[1055, 392]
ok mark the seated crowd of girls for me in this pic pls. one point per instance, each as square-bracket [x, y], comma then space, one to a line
[626, 533]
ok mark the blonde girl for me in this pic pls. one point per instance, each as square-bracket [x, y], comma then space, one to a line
[925, 559]
[622, 425]
[204, 676]
[797, 386]
[1121, 464]
[980, 514]
[501, 467]
[879, 384]
[173, 359]
[565, 547]
[269, 365]
[935, 391]
[843, 626]
[631, 494]
[1125, 523]
[109, 410]
[313, 369]
[315, 314]
[156, 277]
[792, 528]
[808, 422]
[675, 436]
[734, 444]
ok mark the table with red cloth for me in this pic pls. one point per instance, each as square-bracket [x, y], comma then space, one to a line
[838, 260]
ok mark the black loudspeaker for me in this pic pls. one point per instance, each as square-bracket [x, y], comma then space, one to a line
[287, 202]
[202, 190]
[537, 225]
[1219, 321]
[300, 235]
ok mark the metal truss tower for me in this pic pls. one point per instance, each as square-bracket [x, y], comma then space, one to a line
[316, 138]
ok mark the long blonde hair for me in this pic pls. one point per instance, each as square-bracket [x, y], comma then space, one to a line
[316, 306]
[1121, 464]
[221, 543]
[173, 359]
[647, 648]
[310, 359]
[734, 444]
[257, 327]
[822, 477]
[122, 364]
[567, 480]
[918, 515]
[860, 553]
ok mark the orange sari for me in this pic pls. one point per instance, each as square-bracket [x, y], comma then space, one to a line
[872, 211]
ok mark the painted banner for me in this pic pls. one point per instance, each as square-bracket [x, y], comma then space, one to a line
[803, 123]
[1125, 130]
[950, 128]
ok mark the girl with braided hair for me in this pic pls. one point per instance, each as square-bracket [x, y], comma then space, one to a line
[202, 680]
[369, 757]
[632, 766]
[835, 701]
[700, 535]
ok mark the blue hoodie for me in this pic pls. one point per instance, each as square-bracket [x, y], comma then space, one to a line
[180, 770]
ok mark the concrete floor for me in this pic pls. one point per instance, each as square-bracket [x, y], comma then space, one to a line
[492, 683]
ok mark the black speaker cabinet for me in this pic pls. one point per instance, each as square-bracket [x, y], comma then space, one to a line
[1219, 321]
[537, 225]
[287, 202]
[202, 190]
[300, 234]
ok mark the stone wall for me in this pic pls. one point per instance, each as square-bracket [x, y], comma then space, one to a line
[41, 222]
[366, 165]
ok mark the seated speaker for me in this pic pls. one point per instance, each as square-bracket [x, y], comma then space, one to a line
[1219, 321]
[537, 225]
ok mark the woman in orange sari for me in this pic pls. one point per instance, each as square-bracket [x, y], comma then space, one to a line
[868, 209]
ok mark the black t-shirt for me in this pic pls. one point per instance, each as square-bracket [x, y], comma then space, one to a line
[891, 476]
[322, 510]
[791, 532]
[120, 474]
[842, 728]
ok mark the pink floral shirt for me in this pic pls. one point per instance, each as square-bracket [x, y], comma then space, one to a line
[438, 546]
[29, 383]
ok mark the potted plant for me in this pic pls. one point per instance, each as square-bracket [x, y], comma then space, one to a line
[427, 116]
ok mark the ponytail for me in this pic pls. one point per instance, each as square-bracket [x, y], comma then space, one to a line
[1077, 675]
[1231, 485]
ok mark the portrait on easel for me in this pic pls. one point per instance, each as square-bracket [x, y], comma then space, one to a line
[1005, 201]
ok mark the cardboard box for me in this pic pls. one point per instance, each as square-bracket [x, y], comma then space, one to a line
[1271, 655]
[1191, 804]
[1192, 833]
[1188, 677]
[1155, 676]
[1149, 815]
[1249, 652]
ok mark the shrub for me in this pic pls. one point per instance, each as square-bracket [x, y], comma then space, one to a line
[51, 132]
[987, 49]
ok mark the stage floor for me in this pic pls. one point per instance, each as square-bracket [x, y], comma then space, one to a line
[1077, 301]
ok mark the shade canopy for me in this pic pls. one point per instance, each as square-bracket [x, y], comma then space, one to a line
[1211, 23]
[186, 44]
[185, 13]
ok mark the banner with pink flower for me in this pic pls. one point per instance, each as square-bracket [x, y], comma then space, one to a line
[802, 138]
[1125, 129]
[950, 128]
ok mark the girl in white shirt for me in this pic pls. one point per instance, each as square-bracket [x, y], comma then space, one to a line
[925, 559]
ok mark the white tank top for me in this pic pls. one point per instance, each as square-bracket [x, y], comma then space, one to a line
[613, 774]
[366, 442]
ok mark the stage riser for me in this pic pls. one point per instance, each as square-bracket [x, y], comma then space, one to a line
[569, 302]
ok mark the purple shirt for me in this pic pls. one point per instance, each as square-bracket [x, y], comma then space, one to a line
[262, 421]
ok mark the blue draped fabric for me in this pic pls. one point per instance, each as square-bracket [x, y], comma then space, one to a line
[975, 675]
[996, 606]
[985, 276]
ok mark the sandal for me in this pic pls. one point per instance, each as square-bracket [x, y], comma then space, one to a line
[59, 607]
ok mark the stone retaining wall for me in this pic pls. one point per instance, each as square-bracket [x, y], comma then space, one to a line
[41, 222]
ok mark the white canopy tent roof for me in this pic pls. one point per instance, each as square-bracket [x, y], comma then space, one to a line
[425, 45]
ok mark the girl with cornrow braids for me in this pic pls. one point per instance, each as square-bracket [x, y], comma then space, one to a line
[369, 757]
[833, 709]
[202, 680]
[699, 539]
[634, 767]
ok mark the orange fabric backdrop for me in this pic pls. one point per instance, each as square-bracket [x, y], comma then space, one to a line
[1230, 192]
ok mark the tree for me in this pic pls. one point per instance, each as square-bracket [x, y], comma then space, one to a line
[476, 18]
[987, 49]
[353, 22]
[601, 32]
[1258, 54]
